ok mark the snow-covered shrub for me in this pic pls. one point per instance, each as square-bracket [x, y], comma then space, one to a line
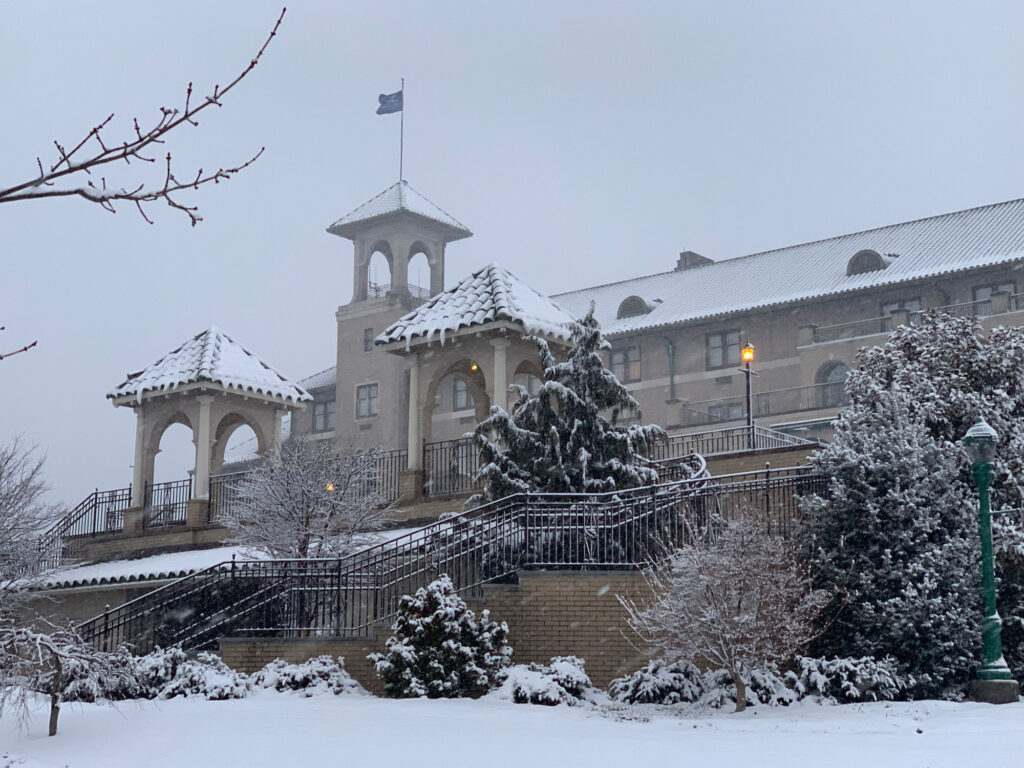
[440, 648]
[762, 685]
[660, 683]
[116, 681]
[207, 676]
[847, 680]
[157, 669]
[562, 681]
[316, 676]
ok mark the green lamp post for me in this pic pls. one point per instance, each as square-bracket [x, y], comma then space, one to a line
[993, 682]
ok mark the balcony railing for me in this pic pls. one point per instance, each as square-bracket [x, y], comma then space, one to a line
[851, 330]
[772, 403]
[165, 503]
[450, 466]
[381, 290]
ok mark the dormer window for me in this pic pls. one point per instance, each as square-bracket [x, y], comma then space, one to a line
[866, 261]
[634, 306]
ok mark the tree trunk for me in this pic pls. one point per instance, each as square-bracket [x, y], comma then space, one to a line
[741, 690]
[54, 712]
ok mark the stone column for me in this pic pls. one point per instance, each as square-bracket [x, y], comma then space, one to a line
[415, 415]
[204, 442]
[361, 267]
[500, 385]
[436, 262]
[400, 265]
[275, 438]
[139, 468]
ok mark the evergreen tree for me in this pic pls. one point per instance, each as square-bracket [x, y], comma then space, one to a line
[440, 649]
[897, 542]
[560, 440]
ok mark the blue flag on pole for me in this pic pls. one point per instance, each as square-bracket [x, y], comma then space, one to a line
[389, 103]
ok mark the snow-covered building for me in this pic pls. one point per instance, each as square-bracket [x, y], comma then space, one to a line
[417, 365]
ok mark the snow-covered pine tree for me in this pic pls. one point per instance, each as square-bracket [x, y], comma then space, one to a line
[560, 440]
[440, 649]
[898, 541]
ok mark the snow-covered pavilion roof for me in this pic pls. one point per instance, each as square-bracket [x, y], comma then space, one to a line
[325, 378]
[953, 242]
[491, 294]
[210, 356]
[397, 198]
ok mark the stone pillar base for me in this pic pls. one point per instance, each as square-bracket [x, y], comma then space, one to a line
[994, 691]
[197, 513]
[133, 521]
[410, 486]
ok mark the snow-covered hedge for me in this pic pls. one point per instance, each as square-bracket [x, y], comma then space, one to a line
[316, 676]
[562, 681]
[207, 676]
[659, 683]
[848, 680]
[124, 683]
[764, 686]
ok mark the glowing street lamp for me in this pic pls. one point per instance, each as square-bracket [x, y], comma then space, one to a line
[993, 682]
[747, 356]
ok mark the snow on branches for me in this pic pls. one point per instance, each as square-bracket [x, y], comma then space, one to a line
[309, 501]
[735, 597]
[62, 178]
[559, 440]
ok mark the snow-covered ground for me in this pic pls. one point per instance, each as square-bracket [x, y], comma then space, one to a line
[270, 729]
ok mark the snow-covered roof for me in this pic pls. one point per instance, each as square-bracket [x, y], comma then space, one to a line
[325, 378]
[210, 356]
[398, 197]
[489, 295]
[924, 248]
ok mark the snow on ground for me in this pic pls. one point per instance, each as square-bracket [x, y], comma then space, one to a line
[171, 565]
[270, 729]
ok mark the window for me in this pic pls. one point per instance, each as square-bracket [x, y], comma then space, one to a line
[368, 340]
[323, 416]
[983, 297]
[462, 398]
[888, 307]
[626, 364]
[723, 349]
[530, 382]
[366, 401]
[832, 378]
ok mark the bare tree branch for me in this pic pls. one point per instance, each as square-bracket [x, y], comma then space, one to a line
[26, 348]
[71, 161]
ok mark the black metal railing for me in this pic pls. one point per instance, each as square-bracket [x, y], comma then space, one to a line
[851, 330]
[99, 513]
[772, 403]
[165, 504]
[223, 493]
[381, 290]
[719, 441]
[450, 467]
[352, 596]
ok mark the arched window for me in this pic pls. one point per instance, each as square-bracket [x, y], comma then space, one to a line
[633, 306]
[866, 261]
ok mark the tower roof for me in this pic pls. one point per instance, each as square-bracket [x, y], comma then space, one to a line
[490, 295]
[210, 357]
[398, 199]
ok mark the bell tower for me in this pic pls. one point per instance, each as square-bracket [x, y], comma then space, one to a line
[371, 386]
[399, 223]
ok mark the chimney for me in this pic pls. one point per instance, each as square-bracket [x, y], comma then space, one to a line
[691, 259]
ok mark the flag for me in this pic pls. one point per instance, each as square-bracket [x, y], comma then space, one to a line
[389, 103]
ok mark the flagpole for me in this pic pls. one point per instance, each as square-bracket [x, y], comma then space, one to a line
[401, 135]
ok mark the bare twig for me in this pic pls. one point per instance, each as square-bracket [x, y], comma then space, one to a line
[26, 348]
[69, 163]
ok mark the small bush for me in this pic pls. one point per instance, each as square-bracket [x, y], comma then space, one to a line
[316, 676]
[157, 669]
[764, 686]
[117, 683]
[440, 649]
[562, 681]
[207, 676]
[848, 680]
[660, 683]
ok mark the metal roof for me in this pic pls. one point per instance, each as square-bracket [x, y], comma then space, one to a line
[953, 242]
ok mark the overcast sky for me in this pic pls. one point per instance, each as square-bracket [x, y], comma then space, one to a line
[582, 142]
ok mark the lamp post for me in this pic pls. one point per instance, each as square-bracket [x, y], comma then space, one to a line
[747, 356]
[993, 682]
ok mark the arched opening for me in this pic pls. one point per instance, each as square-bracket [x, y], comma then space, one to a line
[633, 306]
[378, 271]
[175, 452]
[237, 445]
[831, 379]
[419, 272]
[866, 260]
[529, 376]
[440, 407]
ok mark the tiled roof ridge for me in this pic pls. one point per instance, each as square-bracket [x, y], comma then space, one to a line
[799, 245]
[442, 210]
[402, 206]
